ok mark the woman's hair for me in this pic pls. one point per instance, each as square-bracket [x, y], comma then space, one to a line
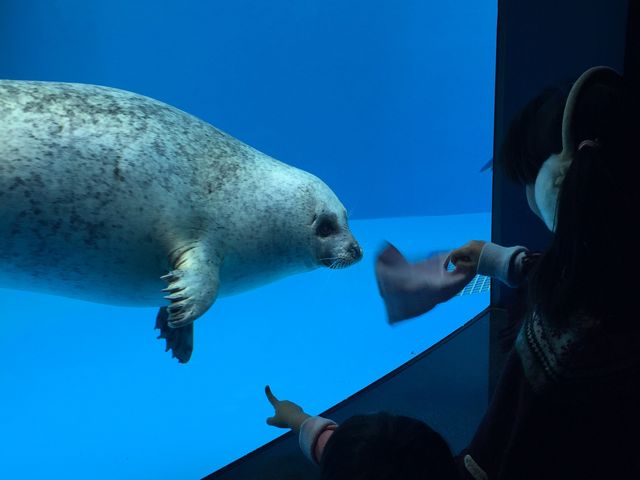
[533, 135]
[589, 267]
[383, 446]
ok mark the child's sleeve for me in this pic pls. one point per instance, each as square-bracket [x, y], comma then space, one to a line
[510, 265]
[314, 434]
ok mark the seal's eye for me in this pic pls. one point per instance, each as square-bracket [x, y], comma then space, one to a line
[326, 227]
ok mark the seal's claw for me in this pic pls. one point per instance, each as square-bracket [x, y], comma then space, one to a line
[175, 309]
[179, 322]
[179, 340]
[180, 310]
[172, 289]
[179, 318]
[175, 297]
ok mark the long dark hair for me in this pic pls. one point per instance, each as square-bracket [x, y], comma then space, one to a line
[589, 267]
[533, 135]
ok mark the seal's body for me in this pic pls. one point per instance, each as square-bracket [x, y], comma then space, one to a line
[114, 197]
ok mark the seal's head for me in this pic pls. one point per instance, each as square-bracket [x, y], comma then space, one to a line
[333, 244]
[296, 223]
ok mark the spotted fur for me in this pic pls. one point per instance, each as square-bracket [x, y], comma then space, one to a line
[102, 191]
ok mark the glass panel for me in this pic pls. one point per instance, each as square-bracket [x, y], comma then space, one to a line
[428, 388]
[390, 104]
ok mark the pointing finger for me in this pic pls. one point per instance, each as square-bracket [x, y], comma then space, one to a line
[270, 396]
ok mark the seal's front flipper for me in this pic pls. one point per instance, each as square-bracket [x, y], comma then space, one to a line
[193, 283]
[179, 340]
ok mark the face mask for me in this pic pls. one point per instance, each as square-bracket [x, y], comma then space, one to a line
[547, 187]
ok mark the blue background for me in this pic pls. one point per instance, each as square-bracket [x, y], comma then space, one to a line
[390, 103]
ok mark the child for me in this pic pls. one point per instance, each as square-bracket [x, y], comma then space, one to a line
[379, 445]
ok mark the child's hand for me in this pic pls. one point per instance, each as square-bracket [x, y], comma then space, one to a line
[412, 289]
[288, 414]
[466, 258]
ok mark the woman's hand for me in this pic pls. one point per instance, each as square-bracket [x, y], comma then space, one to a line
[287, 414]
[410, 289]
[466, 258]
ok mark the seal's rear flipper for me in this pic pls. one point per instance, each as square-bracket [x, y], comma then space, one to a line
[179, 340]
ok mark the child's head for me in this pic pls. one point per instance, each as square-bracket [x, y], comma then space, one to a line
[383, 446]
[533, 135]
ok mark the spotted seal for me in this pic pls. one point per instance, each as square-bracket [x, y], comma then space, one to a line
[113, 197]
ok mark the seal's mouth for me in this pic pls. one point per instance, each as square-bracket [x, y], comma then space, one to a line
[337, 264]
[352, 255]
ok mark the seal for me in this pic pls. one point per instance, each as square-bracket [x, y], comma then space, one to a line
[113, 197]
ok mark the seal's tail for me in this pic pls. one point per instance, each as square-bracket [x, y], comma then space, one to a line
[179, 340]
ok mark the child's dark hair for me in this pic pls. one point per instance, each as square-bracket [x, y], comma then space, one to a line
[590, 263]
[383, 446]
[533, 135]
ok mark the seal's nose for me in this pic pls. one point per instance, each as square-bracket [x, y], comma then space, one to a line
[355, 251]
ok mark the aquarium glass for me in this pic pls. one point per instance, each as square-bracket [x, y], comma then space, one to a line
[390, 103]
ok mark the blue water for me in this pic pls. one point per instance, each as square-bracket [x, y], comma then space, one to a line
[390, 104]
